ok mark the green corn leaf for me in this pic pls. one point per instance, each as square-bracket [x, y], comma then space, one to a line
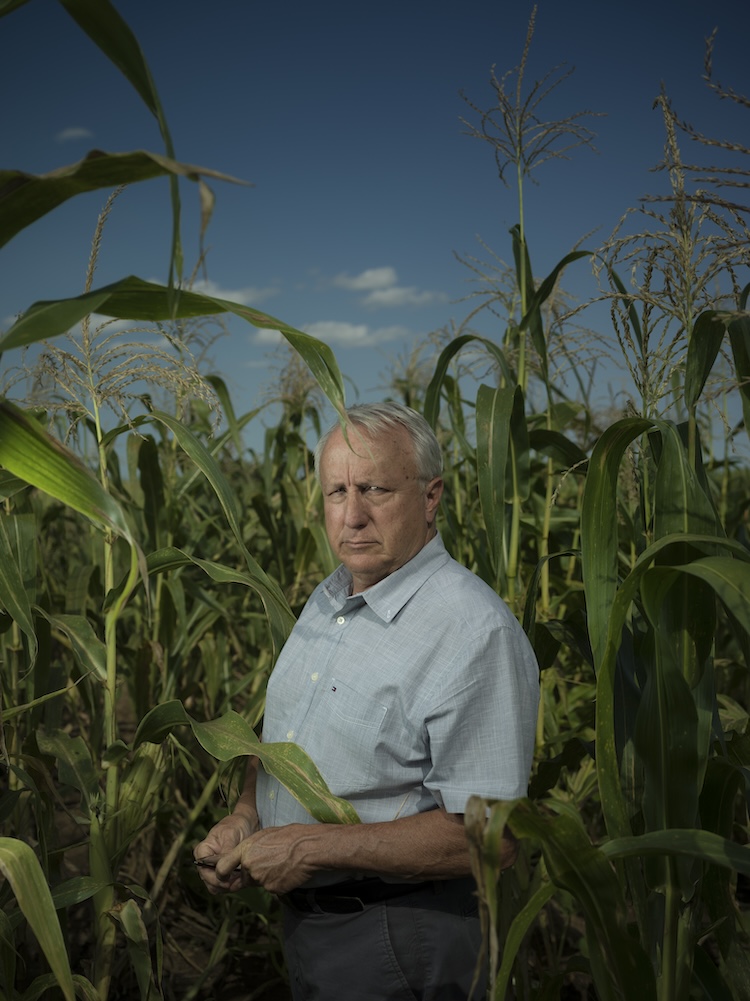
[36, 457]
[20, 867]
[730, 580]
[680, 502]
[703, 347]
[130, 919]
[518, 483]
[68, 894]
[517, 932]
[17, 538]
[107, 29]
[697, 844]
[599, 527]
[536, 297]
[280, 616]
[134, 299]
[10, 712]
[675, 718]
[558, 447]
[739, 338]
[75, 765]
[618, 961]
[667, 735]
[25, 198]
[432, 394]
[10, 485]
[230, 736]
[87, 648]
[493, 413]
[607, 765]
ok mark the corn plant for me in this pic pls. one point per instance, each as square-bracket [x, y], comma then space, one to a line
[651, 853]
[116, 786]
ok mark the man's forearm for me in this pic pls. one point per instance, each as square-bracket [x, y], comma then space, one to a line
[429, 845]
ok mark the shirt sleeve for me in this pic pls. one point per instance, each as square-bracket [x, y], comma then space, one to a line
[482, 727]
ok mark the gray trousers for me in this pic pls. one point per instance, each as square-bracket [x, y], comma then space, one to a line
[421, 947]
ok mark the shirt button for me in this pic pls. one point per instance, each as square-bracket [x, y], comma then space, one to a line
[341, 620]
[314, 677]
[272, 795]
[290, 734]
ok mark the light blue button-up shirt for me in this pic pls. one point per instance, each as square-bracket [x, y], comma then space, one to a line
[414, 694]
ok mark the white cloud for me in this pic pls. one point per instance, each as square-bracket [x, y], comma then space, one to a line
[341, 334]
[347, 335]
[248, 296]
[74, 132]
[402, 296]
[383, 290]
[366, 281]
[264, 336]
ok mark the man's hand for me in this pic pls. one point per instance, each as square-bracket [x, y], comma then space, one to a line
[220, 842]
[277, 858]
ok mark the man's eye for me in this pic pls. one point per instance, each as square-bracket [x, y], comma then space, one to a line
[375, 490]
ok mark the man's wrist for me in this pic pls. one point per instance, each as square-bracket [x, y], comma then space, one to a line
[245, 809]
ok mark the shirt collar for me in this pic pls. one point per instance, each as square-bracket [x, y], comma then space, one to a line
[388, 596]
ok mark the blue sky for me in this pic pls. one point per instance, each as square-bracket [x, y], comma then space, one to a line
[345, 119]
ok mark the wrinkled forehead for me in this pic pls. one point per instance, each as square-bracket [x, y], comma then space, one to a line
[390, 448]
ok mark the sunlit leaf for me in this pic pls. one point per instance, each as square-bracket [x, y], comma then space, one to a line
[231, 736]
[36, 457]
[20, 867]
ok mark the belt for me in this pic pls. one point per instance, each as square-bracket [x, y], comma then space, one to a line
[347, 898]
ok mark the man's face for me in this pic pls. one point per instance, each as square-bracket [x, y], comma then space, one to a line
[379, 514]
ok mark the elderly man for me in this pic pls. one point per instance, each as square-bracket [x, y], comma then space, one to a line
[412, 686]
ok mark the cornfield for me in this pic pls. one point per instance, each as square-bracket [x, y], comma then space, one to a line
[145, 592]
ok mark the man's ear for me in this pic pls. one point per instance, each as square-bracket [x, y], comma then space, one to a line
[433, 493]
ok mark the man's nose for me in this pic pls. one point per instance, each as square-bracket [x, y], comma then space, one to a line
[355, 513]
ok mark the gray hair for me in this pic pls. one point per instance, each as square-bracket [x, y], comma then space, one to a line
[375, 418]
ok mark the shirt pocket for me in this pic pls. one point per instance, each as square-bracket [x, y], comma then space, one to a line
[347, 738]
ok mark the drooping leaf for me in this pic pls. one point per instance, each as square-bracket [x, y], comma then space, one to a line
[19, 865]
[87, 648]
[25, 198]
[34, 456]
[230, 736]
[432, 394]
[280, 616]
[134, 299]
